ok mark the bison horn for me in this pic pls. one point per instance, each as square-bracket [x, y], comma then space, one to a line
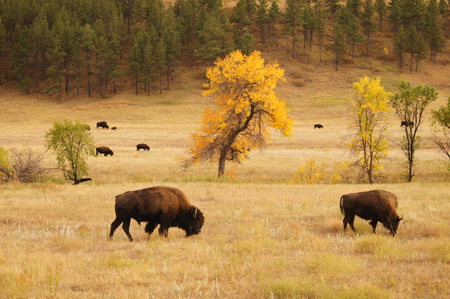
[195, 213]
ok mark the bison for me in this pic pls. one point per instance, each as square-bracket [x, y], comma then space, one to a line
[406, 123]
[102, 124]
[103, 150]
[166, 206]
[143, 146]
[318, 126]
[374, 205]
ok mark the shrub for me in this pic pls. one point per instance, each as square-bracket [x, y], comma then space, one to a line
[24, 166]
[310, 173]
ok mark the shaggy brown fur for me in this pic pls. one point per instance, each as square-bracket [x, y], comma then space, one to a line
[102, 124]
[103, 150]
[374, 205]
[161, 205]
[143, 146]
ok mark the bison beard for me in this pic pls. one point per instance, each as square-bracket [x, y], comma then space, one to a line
[161, 205]
[375, 205]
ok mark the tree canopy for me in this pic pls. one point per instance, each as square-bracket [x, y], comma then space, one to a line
[245, 107]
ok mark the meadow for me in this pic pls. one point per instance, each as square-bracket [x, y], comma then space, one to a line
[263, 237]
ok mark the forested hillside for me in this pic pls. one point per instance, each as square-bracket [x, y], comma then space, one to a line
[73, 47]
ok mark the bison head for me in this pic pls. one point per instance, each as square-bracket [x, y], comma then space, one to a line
[395, 225]
[194, 222]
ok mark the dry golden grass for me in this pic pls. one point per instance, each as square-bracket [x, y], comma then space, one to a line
[263, 236]
[259, 240]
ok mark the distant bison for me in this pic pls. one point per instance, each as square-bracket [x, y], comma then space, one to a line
[143, 146]
[102, 124]
[406, 123]
[318, 126]
[114, 128]
[103, 150]
[161, 205]
[374, 205]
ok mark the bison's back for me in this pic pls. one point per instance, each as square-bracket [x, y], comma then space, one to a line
[365, 203]
[153, 200]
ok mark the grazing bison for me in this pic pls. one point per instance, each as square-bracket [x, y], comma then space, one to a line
[161, 205]
[103, 150]
[318, 126]
[114, 128]
[102, 124]
[374, 205]
[143, 146]
[406, 123]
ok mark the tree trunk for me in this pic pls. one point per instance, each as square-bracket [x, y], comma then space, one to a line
[222, 160]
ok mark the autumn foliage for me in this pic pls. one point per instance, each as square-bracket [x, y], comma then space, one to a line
[245, 107]
[369, 144]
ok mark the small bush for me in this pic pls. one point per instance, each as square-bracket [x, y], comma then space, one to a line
[24, 166]
[310, 173]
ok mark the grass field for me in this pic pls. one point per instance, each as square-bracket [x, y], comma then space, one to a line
[263, 236]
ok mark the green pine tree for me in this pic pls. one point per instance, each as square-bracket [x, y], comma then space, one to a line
[367, 21]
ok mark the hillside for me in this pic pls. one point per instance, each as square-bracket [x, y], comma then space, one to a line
[315, 93]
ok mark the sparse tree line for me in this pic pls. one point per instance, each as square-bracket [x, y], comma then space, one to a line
[73, 46]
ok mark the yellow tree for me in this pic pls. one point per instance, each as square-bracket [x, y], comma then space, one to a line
[245, 106]
[369, 144]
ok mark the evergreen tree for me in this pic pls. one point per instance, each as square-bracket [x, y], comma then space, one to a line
[321, 15]
[40, 42]
[395, 14]
[172, 41]
[160, 62]
[212, 40]
[415, 45]
[367, 21]
[333, 6]
[400, 44]
[274, 15]
[136, 59]
[20, 57]
[338, 46]
[434, 29]
[381, 9]
[308, 26]
[186, 14]
[350, 27]
[88, 38]
[3, 48]
[354, 7]
[262, 20]
[293, 21]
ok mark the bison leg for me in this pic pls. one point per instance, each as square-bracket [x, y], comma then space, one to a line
[126, 228]
[150, 227]
[114, 225]
[349, 220]
[374, 225]
[163, 231]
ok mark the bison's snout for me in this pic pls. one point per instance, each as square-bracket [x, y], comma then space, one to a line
[193, 231]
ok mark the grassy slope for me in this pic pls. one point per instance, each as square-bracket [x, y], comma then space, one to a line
[259, 240]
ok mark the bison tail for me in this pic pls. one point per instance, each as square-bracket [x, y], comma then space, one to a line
[341, 204]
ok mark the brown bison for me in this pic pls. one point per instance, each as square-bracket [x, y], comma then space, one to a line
[143, 146]
[318, 126]
[161, 205]
[406, 123]
[374, 205]
[102, 124]
[103, 150]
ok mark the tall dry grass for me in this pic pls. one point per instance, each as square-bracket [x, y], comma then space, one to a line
[259, 240]
[263, 237]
